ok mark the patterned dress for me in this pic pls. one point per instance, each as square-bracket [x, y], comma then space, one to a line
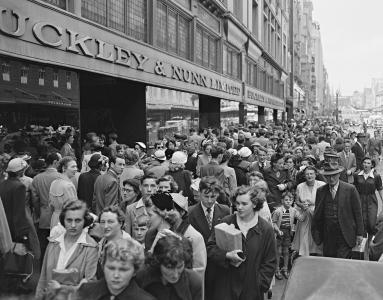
[303, 242]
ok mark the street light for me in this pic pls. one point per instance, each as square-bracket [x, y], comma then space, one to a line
[337, 106]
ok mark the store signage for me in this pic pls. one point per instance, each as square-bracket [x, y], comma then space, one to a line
[55, 36]
[254, 96]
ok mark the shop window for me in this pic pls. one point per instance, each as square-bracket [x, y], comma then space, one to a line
[56, 79]
[68, 80]
[24, 75]
[173, 31]
[58, 3]
[42, 77]
[6, 71]
[232, 62]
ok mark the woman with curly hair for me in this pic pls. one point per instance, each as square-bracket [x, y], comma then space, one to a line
[166, 277]
[121, 261]
[257, 256]
[62, 189]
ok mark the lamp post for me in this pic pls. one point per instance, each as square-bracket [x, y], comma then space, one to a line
[337, 107]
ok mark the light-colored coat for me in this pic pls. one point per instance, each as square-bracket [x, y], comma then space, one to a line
[349, 164]
[84, 259]
[277, 217]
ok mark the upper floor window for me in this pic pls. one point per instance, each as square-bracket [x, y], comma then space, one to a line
[58, 3]
[206, 48]
[129, 16]
[237, 10]
[24, 75]
[231, 62]
[6, 71]
[173, 30]
[42, 76]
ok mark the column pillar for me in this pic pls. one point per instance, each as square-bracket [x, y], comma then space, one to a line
[209, 112]
[261, 114]
[275, 115]
[242, 113]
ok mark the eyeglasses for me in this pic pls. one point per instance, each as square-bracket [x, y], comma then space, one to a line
[127, 190]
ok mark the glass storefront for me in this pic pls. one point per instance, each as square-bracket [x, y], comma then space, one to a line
[268, 114]
[38, 104]
[169, 112]
[229, 113]
[251, 113]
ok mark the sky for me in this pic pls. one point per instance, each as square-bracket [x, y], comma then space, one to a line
[352, 39]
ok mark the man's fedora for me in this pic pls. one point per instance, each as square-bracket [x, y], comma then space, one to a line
[360, 135]
[331, 169]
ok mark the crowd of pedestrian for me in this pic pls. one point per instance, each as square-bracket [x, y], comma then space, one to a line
[139, 222]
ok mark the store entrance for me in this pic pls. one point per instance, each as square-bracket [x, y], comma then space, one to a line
[111, 104]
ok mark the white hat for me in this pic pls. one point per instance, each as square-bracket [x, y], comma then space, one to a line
[233, 151]
[141, 144]
[160, 155]
[179, 157]
[235, 136]
[16, 164]
[244, 152]
[195, 184]
[180, 200]
[247, 135]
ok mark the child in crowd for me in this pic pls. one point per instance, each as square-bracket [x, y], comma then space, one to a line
[140, 228]
[283, 222]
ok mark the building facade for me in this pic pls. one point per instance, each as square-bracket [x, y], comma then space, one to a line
[154, 66]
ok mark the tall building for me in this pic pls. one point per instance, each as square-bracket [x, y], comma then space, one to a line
[377, 90]
[368, 98]
[158, 66]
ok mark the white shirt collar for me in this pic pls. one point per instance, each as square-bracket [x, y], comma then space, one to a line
[80, 240]
[140, 203]
[335, 188]
[370, 174]
[205, 209]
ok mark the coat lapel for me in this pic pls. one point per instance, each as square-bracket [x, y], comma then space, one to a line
[75, 254]
[201, 220]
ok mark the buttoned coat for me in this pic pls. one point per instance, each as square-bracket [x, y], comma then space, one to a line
[252, 278]
[359, 155]
[349, 163]
[106, 191]
[349, 213]
[40, 196]
[84, 259]
[198, 220]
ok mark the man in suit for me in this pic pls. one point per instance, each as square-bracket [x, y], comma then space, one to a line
[107, 186]
[204, 216]
[213, 168]
[337, 220]
[262, 163]
[86, 180]
[374, 145]
[40, 198]
[348, 161]
[359, 149]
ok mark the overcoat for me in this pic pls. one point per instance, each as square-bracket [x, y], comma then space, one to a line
[252, 278]
[349, 213]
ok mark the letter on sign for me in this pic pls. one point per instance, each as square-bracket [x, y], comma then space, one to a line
[21, 23]
[38, 33]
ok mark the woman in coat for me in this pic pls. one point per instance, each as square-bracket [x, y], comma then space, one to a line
[278, 179]
[62, 189]
[245, 274]
[72, 257]
[166, 276]
[303, 241]
[126, 256]
[367, 182]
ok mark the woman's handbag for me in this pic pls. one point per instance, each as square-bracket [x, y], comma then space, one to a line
[20, 266]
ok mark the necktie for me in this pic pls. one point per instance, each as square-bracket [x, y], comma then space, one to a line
[208, 217]
[333, 193]
[287, 211]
